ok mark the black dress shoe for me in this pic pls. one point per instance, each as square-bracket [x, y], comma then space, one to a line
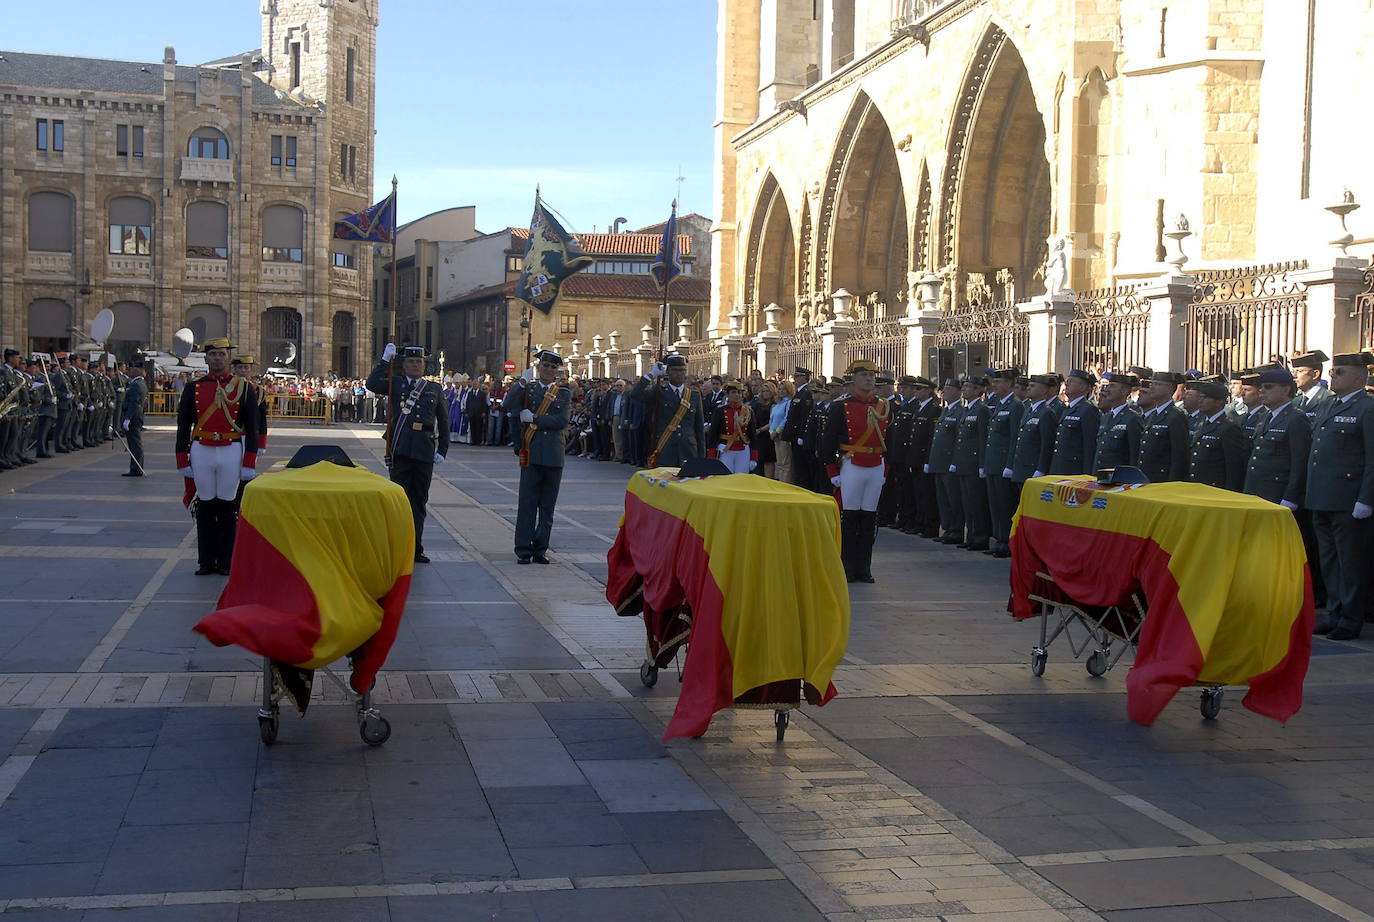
[131, 474]
[522, 560]
[1342, 633]
[28, 461]
[980, 546]
[222, 571]
[1002, 553]
[420, 557]
[1322, 626]
[540, 558]
[207, 570]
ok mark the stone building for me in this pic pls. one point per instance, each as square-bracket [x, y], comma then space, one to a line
[945, 183]
[194, 196]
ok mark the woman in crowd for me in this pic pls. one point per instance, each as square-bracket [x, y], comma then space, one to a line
[762, 420]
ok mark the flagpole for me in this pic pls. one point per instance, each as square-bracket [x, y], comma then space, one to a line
[663, 310]
[391, 367]
[528, 309]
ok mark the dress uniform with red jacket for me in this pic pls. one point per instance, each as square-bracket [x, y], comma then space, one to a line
[730, 434]
[216, 449]
[853, 448]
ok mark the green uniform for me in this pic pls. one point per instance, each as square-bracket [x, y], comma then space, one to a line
[1277, 469]
[1164, 443]
[661, 402]
[1217, 454]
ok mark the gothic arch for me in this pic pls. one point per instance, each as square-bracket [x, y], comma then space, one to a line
[771, 270]
[862, 235]
[995, 193]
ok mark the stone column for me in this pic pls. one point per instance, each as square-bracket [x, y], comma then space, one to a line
[1331, 290]
[768, 342]
[834, 336]
[1049, 333]
[644, 359]
[730, 349]
[921, 327]
[1168, 339]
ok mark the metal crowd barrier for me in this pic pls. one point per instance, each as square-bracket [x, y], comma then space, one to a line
[279, 406]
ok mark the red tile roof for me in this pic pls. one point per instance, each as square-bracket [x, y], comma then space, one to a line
[617, 244]
[593, 285]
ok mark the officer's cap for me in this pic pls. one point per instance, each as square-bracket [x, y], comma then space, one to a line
[1275, 376]
[1192, 374]
[548, 355]
[1122, 474]
[976, 380]
[1252, 380]
[1022, 381]
[838, 382]
[1048, 380]
[674, 361]
[1213, 389]
[883, 379]
[1353, 358]
[219, 342]
[798, 370]
[952, 382]
[1087, 377]
[861, 365]
[1168, 377]
[1121, 377]
[413, 352]
[1007, 374]
[1142, 372]
[1312, 359]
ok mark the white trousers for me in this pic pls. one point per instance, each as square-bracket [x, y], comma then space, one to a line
[860, 487]
[737, 460]
[216, 469]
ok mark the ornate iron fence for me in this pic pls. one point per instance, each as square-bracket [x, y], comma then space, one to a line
[703, 358]
[800, 347]
[1110, 329]
[1364, 310]
[748, 360]
[880, 339]
[997, 327]
[623, 366]
[1241, 317]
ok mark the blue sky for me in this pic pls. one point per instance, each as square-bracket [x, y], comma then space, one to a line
[569, 95]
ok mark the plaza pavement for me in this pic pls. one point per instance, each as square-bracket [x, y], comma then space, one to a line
[525, 779]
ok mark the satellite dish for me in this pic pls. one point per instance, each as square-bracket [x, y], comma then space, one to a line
[102, 325]
[183, 342]
[285, 354]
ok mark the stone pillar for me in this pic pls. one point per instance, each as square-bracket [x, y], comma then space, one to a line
[731, 348]
[1049, 333]
[767, 345]
[834, 337]
[1168, 339]
[644, 359]
[1331, 290]
[921, 327]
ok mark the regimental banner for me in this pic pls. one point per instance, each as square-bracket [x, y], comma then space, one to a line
[1224, 577]
[553, 256]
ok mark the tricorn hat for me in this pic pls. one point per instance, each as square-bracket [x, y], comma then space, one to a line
[1312, 359]
[1085, 376]
[548, 355]
[674, 361]
[219, 342]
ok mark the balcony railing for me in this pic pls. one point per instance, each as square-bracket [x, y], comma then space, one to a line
[121, 266]
[206, 169]
[281, 274]
[207, 270]
[42, 262]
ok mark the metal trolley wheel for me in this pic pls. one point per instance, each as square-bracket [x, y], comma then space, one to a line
[1098, 663]
[648, 674]
[1210, 705]
[269, 715]
[373, 727]
[1039, 657]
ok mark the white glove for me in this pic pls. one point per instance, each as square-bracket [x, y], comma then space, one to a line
[801, 443]
[752, 465]
[185, 472]
[1362, 511]
[953, 469]
[835, 481]
[246, 474]
[1006, 472]
[438, 458]
[925, 468]
[720, 449]
[527, 416]
[126, 425]
[1288, 504]
[261, 452]
[389, 352]
[656, 370]
[1038, 474]
[982, 474]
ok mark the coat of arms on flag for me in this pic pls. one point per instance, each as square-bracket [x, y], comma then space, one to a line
[377, 224]
[553, 256]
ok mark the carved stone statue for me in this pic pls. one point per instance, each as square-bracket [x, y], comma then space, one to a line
[1057, 268]
[913, 287]
[978, 289]
[820, 309]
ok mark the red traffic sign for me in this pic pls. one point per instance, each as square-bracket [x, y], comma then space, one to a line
[509, 367]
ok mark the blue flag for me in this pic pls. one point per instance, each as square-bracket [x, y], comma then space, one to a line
[553, 256]
[668, 265]
[377, 224]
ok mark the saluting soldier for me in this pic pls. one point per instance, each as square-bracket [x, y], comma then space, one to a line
[1164, 440]
[1075, 441]
[216, 446]
[939, 465]
[1004, 422]
[1313, 392]
[794, 428]
[131, 417]
[1340, 493]
[1119, 426]
[730, 430]
[855, 439]
[968, 464]
[679, 424]
[542, 407]
[418, 420]
[1219, 448]
[897, 492]
[1034, 448]
[1277, 469]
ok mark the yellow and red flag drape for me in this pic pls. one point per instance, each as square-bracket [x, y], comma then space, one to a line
[1224, 576]
[757, 563]
[322, 566]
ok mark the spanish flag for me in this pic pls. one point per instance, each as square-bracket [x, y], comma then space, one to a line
[1224, 577]
[322, 565]
[751, 568]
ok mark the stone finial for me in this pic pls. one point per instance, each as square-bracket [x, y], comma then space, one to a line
[596, 343]
[169, 55]
[842, 299]
[1181, 232]
[684, 330]
[576, 347]
[1345, 206]
[646, 333]
[771, 315]
[736, 321]
[615, 340]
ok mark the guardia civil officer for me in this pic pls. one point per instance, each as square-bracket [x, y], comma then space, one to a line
[1313, 392]
[1164, 439]
[968, 464]
[1277, 470]
[1004, 422]
[419, 429]
[1119, 426]
[894, 510]
[13, 396]
[939, 465]
[794, 428]
[679, 425]
[924, 511]
[131, 416]
[1219, 449]
[541, 405]
[1075, 440]
[47, 410]
[1034, 448]
[1340, 493]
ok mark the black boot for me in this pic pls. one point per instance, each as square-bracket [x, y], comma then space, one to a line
[228, 530]
[849, 540]
[207, 514]
[866, 533]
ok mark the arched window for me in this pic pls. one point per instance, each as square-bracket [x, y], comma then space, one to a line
[49, 320]
[281, 338]
[208, 143]
[283, 233]
[343, 253]
[131, 226]
[207, 230]
[50, 222]
[132, 329]
[207, 321]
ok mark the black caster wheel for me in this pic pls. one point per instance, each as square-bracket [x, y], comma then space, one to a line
[1210, 705]
[374, 730]
[1097, 663]
[780, 721]
[648, 674]
[267, 729]
[1038, 660]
